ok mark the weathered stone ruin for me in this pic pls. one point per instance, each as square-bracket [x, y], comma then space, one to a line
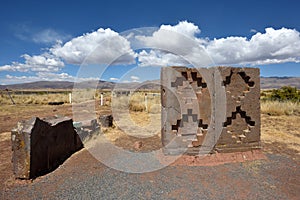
[40, 146]
[106, 120]
[87, 129]
[210, 109]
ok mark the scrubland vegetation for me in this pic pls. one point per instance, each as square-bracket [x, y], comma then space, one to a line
[283, 101]
[280, 110]
[280, 118]
[138, 102]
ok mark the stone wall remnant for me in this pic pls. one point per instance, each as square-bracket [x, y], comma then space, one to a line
[86, 129]
[39, 146]
[210, 109]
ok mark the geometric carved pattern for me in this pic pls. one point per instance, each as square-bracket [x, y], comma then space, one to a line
[189, 83]
[185, 118]
[190, 122]
[194, 79]
[179, 80]
[246, 78]
[198, 80]
[242, 114]
[177, 125]
[228, 79]
[242, 125]
[201, 124]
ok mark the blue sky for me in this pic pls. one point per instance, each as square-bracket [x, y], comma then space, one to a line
[50, 40]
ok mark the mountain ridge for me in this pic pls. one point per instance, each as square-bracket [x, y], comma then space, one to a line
[266, 83]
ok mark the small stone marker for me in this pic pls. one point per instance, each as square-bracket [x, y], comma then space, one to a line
[101, 99]
[106, 120]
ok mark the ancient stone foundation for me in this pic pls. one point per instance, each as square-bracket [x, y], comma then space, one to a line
[39, 146]
[210, 109]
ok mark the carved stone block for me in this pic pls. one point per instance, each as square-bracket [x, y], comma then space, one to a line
[216, 106]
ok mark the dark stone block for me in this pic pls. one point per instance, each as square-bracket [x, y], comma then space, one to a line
[40, 146]
[56, 103]
[87, 129]
[106, 120]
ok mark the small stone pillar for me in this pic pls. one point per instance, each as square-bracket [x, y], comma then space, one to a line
[106, 120]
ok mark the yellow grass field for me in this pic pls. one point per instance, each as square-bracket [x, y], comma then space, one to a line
[280, 127]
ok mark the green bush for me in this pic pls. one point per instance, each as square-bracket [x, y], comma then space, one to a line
[285, 93]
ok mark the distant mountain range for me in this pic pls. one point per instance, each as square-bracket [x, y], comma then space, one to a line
[42, 85]
[278, 82]
[266, 83]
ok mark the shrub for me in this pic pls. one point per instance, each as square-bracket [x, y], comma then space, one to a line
[285, 93]
[136, 102]
[137, 107]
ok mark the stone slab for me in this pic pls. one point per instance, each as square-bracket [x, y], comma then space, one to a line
[217, 107]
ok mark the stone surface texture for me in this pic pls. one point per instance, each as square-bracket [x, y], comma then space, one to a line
[210, 109]
[40, 146]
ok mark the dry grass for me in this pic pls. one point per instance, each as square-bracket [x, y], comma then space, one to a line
[140, 118]
[279, 128]
[139, 127]
[121, 139]
[281, 133]
[11, 114]
[4, 136]
[44, 97]
[277, 108]
[41, 99]
[136, 102]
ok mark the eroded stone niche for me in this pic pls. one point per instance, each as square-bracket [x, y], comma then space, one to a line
[41, 145]
[189, 110]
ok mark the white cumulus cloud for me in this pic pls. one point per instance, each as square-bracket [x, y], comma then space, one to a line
[180, 40]
[273, 46]
[99, 47]
[170, 38]
[159, 58]
[168, 45]
[43, 62]
[44, 76]
[113, 79]
[134, 78]
[183, 27]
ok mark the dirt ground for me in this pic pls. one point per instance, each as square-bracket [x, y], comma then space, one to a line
[271, 173]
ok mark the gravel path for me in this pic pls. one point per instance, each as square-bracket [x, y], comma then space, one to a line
[83, 177]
